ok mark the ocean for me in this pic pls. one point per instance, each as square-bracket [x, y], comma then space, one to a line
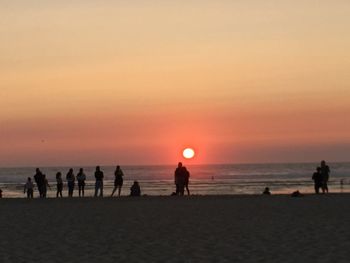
[225, 179]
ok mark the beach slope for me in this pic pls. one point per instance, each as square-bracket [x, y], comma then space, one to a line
[174, 229]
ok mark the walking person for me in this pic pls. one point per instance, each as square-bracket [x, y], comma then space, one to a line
[325, 171]
[318, 180]
[29, 188]
[71, 182]
[99, 181]
[81, 177]
[118, 180]
[59, 182]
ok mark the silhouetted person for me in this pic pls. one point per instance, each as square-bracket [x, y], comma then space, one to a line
[118, 180]
[99, 181]
[71, 182]
[81, 177]
[135, 189]
[45, 186]
[325, 176]
[318, 180]
[186, 179]
[180, 178]
[267, 191]
[29, 188]
[297, 194]
[0, 193]
[59, 184]
[39, 180]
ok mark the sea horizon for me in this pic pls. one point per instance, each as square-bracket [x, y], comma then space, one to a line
[210, 179]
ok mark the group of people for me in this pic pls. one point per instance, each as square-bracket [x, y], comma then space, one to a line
[42, 183]
[182, 177]
[321, 177]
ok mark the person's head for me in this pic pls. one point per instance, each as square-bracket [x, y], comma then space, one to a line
[81, 170]
[29, 179]
[318, 169]
[118, 167]
[97, 168]
[323, 163]
[136, 183]
[58, 175]
[267, 189]
[70, 170]
[179, 165]
[37, 170]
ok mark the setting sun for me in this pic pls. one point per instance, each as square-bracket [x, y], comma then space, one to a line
[188, 153]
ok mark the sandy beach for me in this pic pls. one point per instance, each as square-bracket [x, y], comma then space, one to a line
[174, 229]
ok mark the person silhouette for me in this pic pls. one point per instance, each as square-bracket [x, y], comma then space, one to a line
[99, 181]
[318, 180]
[135, 189]
[29, 188]
[186, 179]
[180, 179]
[325, 171]
[81, 177]
[118, 180]
[39, 180]
[267, 191]
[59, 184]
[71, 182]
[45, 186]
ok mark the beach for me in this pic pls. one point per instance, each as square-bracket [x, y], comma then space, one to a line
[246, 228]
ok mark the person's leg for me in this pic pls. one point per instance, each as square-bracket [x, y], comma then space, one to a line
[96, 189]
[82, 190]
[114, 189]
[187, 189]
[101, 189]
[119, 190]
[177, 189]
[316, 188]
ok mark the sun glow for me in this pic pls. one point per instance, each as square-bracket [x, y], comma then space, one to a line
[188, 153]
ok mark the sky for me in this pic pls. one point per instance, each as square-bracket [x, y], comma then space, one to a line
[135, 82]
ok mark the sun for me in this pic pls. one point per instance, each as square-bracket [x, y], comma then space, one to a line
[188, 153]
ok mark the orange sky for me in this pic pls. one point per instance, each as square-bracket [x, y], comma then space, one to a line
[102, 82]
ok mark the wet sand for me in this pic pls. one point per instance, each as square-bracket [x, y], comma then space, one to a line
[174, 229]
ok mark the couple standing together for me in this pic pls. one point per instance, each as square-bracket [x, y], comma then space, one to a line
[321, 177]
[182, 177]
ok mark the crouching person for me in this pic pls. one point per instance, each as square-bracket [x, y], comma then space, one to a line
[135, 189]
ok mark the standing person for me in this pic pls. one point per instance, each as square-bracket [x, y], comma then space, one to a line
[71, 182]
[39, 180]
[45, 186]
[99, 181]
[59, 184]
[0, 193]
[317, 177]
[325, 176]
[29, 188]
[81, 177]
[118, 180]
[180, 179]
[186, 179]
